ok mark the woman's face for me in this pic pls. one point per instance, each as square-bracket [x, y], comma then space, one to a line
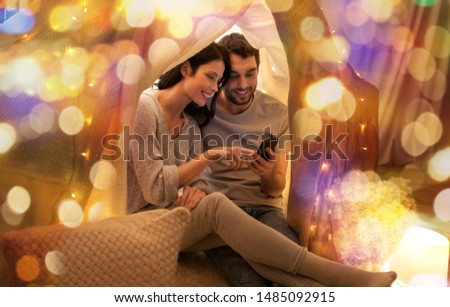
[202, 85]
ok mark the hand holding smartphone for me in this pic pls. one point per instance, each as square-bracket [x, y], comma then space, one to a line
[268, 140]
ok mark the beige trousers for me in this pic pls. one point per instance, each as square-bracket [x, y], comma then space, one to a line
[217, 221]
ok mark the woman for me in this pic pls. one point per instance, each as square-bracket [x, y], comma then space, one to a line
[172, 160]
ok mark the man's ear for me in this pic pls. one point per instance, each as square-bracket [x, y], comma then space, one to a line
[186, 69]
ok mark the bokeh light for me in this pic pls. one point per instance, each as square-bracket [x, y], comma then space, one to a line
[103, 175]
[27, 268]
[71, 120]
[433, 131]
[402, 39]
[52, 88]
[98, 211]
[65, 18]
[380, 10]
[18, 200]
[333, 49]
[54, 261]
[308, 124]
[441, 205]
[21, 81]
[323, 93]
[415, 175]
[130, 69]
[209, 25]
[436, 87]
[140, 13]
[355, 14]
[279, 6]
[344, 108]
[312, 28]
[181, 25]
[409, 140]
[421, 64]
[163, 51]
[70, 213]
[437, 41]
[42, 118]
[439, 166]
[8, 137]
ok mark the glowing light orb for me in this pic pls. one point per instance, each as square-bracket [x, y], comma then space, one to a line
[436, 87]
[130, 69]
[140, 14]
[103, 175]
[71, 120]
[72, 76]
[18, 200]
[434, 128]
[70, 213]
[402, 39]
[334, 49]
[355, 14]
[421, 64]
[27, 268]
[308, 123]
[344, 108]
[279, 6]
[42, 118]
[66, 18]
[441, 205]
[54, 261]
[11, 218]
[438, 166]
[409, 140]
[437, 41]
[312, 28]
[380, 10]
[24, 73]
[51, 89]
[181, 25]
[415, 175]
[8, 137]
[208, 26]
[324, 93]
[163, 50]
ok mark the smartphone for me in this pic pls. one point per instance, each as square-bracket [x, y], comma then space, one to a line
[268, 140]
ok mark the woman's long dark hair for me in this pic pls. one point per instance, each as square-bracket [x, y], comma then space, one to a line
[210, 53]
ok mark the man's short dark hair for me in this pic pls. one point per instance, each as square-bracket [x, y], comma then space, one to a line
[236, 43]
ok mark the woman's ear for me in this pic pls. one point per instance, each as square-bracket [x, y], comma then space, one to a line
[185, 69]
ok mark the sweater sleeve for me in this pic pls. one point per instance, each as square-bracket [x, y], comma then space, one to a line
[157, 180]
[195, 150]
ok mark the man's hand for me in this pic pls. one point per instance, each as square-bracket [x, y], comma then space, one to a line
[190, 198]
[261, 166]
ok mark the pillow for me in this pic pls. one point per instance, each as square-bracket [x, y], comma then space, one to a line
[133, 250]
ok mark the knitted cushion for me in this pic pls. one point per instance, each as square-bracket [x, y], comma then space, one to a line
[134, 250]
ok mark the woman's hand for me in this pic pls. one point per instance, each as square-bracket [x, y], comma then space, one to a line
[190, 198]
[236, 155]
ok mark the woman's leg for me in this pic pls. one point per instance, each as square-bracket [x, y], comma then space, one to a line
[259, 243]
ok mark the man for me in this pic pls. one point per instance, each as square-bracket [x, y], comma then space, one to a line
[243, 117]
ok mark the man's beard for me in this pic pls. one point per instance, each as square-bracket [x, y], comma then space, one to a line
[231, 98]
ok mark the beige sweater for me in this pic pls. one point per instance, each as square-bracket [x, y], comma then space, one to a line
[152, 174]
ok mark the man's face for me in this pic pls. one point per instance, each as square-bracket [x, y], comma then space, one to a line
[243, 80]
